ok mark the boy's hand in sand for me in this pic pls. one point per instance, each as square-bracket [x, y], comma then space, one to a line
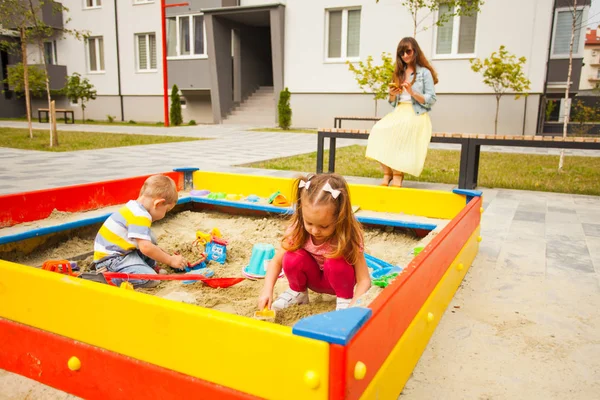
[178, 262]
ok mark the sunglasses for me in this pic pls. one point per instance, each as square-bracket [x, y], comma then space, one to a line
[408, 52]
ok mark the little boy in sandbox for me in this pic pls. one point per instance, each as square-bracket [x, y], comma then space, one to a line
[125, 243]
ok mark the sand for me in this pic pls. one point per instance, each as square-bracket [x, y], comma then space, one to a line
[178, 231]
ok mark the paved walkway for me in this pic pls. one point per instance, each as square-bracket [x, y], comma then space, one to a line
[22, 170]
[525, 322]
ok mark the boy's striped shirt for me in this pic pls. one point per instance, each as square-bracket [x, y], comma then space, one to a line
[118, 233]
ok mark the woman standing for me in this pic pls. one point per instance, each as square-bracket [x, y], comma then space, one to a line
[399, 141]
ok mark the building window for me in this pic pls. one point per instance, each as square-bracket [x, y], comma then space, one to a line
[50, 52]
[457, 36]
[555, 109]
[561, 37]
[146, 51]
[93, 3]
[185, 36]
[342, 31]
[95, 54]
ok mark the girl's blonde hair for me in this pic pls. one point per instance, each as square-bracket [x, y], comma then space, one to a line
[160, 187]
[419, 59]
[347, 237]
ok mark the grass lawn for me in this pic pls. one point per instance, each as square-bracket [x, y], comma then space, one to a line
[283, 131]
[17, 138]
[581, 175]
[60, 120]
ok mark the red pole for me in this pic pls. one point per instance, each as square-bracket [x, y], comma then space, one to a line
[165, 70]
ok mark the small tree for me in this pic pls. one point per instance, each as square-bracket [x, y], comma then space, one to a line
[374, 79]
[175, 114]
[502, 72]
[446, 10]
[583, 115]
[284, 110]
[21, 18]
[80, 89]
[35, 76]
[575, 26]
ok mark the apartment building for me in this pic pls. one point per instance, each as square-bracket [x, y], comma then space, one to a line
[231, 58]
[590, 74]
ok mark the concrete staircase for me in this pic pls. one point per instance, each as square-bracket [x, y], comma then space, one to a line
[258, 109]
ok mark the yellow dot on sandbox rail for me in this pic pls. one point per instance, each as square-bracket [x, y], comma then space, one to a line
[479, 238]
[460, 267]
[360, 370]
[481, 210]
[74, 364]
[430, 317]
[312, 379]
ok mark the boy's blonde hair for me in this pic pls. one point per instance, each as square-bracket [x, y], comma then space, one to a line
[160, 187]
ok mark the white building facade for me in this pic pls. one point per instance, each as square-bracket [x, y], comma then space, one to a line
[317, 38]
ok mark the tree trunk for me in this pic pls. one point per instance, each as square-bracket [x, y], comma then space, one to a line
[51, 118]
[26, 80]
[561, 160]
[497, 112]
[53, 113]
[416, 10]
[376, 108]
[83, 111]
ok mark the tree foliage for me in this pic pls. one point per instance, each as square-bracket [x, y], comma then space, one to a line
[374, 79]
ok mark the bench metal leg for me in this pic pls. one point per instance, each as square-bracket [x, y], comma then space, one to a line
[320, 147]
[464, 164]
[332, 145]
[473, 170]
[72, 117]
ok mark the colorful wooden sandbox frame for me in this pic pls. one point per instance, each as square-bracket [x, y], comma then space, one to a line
[97, 341]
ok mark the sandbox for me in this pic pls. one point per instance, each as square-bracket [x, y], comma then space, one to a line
[74, 334]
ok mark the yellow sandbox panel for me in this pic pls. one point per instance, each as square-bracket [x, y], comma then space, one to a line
[397, 368]
[263, 186]
[427, 203]
[251, 356]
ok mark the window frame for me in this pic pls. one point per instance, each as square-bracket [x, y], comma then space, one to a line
[579, 54]
[95, 6]
[148, 55]
[54, 52]
[454, 54]
[97, 48]
[142, 2]
[191, 56]
[344, 43]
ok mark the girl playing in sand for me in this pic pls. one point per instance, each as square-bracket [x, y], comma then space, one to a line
[322, 249]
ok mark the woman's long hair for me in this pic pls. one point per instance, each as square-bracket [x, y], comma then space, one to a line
[418, 59]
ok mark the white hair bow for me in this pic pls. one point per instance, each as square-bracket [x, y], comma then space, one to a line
[334, 192]
[303, 184]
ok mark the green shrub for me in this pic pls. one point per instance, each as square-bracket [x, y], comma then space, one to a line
[284, 109]
[175, 114]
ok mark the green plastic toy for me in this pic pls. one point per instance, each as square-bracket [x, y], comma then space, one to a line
[217, 196]
[384, 281]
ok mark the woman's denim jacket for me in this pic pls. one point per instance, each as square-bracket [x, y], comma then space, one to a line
[423, 85]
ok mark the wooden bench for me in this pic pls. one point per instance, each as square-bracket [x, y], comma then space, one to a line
[58, 110]
[469, 151]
